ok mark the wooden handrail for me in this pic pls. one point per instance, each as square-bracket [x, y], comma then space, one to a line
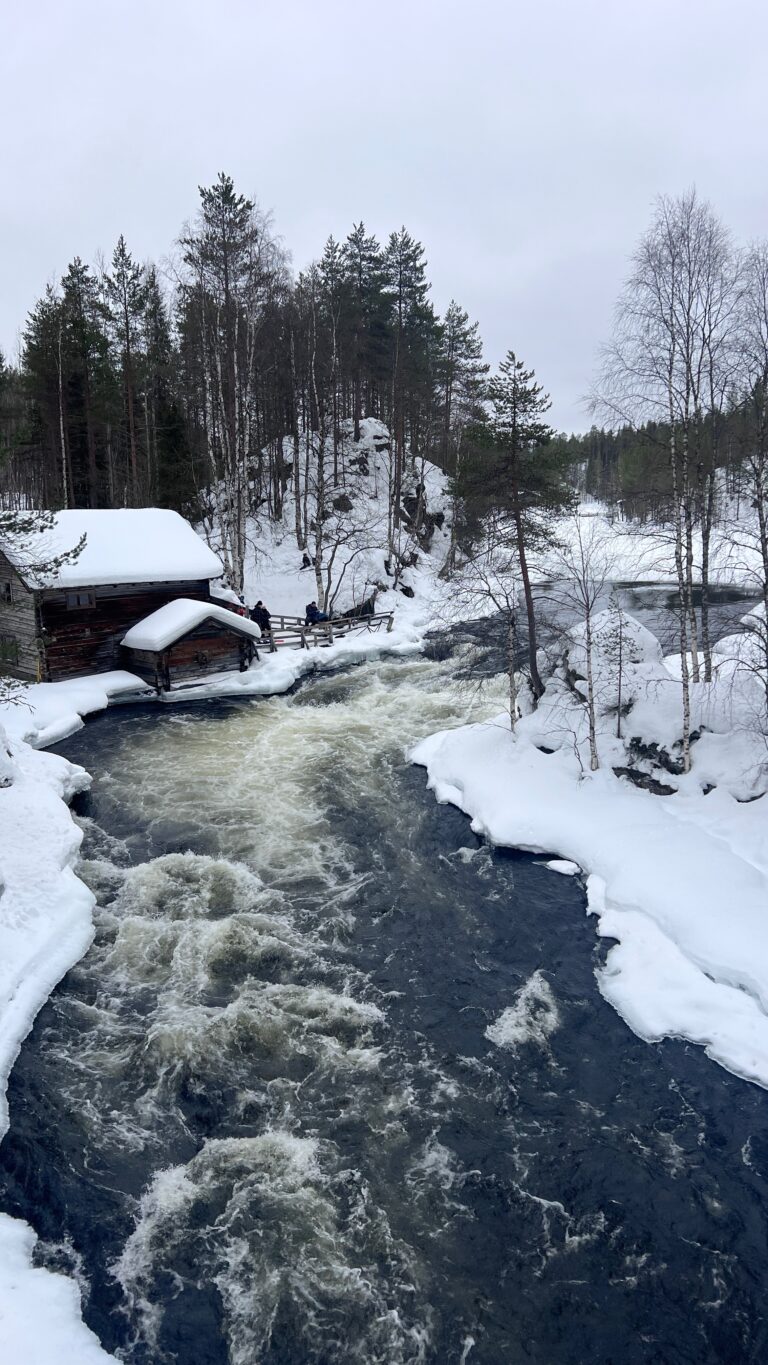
[294, 632]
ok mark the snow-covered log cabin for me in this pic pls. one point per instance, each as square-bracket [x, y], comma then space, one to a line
[69, 620]
[186, 639]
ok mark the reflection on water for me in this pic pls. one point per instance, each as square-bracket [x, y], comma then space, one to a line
[335, 1084]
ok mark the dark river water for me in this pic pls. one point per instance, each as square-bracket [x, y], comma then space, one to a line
[268, 1117]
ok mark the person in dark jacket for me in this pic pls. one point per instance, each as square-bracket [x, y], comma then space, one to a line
[314, 614]
[262, 618]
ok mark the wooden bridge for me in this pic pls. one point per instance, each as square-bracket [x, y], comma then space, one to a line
[291, 631]
[188, 676]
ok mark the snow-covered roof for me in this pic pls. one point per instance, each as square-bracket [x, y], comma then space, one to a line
[169, 623]
[224, 594]
[126, 545]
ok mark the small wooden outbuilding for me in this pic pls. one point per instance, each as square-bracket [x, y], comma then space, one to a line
[186, 640]
[71, 620]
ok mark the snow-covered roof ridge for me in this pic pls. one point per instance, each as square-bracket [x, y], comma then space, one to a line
[167, 624]
[123, 545]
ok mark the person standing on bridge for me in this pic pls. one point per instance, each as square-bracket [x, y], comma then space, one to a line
[262, 618]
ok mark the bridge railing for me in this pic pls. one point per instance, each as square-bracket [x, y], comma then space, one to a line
[287, 631]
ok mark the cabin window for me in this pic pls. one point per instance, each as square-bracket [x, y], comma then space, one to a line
[9, 649]
[6, 590]
[80, 599]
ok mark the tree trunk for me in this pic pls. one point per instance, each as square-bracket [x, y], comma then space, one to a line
[90, 436]
[594, 761]
[511, 662]
[301, 540]
[707, 518]
[66, 473]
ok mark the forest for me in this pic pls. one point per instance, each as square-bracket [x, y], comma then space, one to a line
[227, 386]
[135, 388]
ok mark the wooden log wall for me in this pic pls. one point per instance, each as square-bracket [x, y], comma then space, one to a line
[86, 639]
[210, 648]
[19, 626]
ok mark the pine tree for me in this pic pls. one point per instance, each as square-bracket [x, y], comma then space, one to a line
[461, 374]
[90, 382]
[368, 320]
[233, 267]
[334, 297]
[126, 293]
[523, 473]
[415, 340]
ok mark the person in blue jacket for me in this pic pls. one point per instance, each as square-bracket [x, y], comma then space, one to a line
[313, 614]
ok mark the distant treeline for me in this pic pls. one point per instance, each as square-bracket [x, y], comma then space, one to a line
[629, 469]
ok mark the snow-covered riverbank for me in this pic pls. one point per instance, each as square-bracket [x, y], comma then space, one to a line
[680, 879]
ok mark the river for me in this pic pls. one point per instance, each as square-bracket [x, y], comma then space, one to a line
[268, 1117]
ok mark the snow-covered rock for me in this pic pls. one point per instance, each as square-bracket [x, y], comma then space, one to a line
[355, 533]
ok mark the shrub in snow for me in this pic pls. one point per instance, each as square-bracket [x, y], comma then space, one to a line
[609, 628]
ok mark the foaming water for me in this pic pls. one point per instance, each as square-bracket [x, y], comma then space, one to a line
[269, 1222]
[532, 1019]
[334, 1083]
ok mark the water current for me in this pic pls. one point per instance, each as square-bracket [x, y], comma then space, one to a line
[335, 1083]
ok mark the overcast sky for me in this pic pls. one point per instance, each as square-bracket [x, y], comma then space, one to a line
[524, 144]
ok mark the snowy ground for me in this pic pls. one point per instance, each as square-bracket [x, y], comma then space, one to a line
[680, 880]
[645, 553]
[45, 927]
[355, 533]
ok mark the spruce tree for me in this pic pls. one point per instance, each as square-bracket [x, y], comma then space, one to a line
[368, 320]
[89, 380]
[461, 375]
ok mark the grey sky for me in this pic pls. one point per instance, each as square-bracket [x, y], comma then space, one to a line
[523, 144]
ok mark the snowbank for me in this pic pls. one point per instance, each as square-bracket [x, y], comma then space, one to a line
[40, 1320]
[45, 927]
[47, 712]
[680, 881]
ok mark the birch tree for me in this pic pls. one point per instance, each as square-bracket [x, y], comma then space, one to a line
[754, 353]
[488, 581]
[669, 363]
[584, 566]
